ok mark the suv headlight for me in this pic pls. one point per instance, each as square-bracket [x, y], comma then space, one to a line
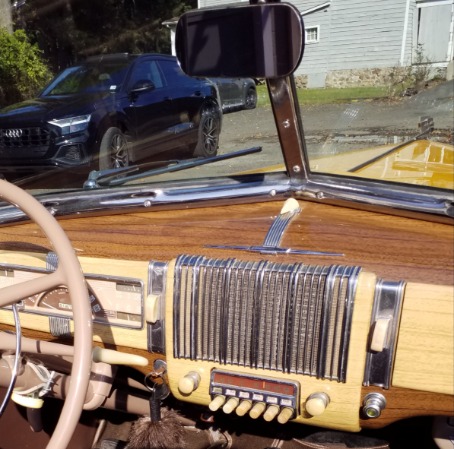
[72, 124]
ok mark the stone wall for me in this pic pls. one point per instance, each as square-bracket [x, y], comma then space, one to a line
[363, 77]
[384, 76]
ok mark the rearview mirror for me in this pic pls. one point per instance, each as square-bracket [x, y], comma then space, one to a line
[258, 41]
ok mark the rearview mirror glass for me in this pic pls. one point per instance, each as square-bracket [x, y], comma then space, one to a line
[258, 41]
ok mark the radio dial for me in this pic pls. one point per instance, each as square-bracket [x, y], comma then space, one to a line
[316, 403]
[189, 383]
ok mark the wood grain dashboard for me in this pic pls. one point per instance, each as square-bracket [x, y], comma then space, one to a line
[384, 247]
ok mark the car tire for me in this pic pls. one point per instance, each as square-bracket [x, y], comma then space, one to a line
[250, 102]
[113, 150]
[208, 132]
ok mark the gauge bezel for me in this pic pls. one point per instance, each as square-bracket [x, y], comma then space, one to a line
[137, 283]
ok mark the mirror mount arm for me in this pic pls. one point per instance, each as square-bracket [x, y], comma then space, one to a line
[285, 106]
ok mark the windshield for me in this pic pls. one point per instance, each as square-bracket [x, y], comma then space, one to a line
[374, 97]
[87, 78]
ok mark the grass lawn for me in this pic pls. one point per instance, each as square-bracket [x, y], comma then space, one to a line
[328, 95]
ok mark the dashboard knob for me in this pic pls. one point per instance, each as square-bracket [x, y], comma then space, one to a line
[243, 408]
[316, 403]
[285, 415]
[257, 410]
[374, 403]
[216, 403]
[271, 412]
[230, 405]
[189, 383]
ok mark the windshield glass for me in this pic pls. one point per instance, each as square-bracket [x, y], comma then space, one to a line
[372, 107]
[87, 78]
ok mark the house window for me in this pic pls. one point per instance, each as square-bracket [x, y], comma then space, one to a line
[312, 34]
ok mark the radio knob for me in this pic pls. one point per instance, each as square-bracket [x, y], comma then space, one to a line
[285, 415]
[271, 413]
[189, 383]
[243, 408]
[230, 405]
[316, 403]
[257, 410]
[216, 403]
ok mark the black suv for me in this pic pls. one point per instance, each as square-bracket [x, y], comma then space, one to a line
[110, 111]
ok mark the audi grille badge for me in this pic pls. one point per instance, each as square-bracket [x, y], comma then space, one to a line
[13, 133]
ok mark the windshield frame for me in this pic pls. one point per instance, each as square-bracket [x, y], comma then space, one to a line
[407, 200]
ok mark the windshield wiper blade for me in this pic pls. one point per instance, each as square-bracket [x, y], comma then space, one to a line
[119, 176]
[426, 125]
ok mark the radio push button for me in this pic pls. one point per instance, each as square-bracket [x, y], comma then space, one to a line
[244, 407]
[285, 415]
[271, 412]
[257, 410]
[230, 405]
[216, 403]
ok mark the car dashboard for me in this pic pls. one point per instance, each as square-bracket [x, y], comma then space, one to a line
[343, 321]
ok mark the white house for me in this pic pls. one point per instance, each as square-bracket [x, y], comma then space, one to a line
[351, 42]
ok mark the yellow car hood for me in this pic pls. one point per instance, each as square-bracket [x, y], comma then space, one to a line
[420, 162]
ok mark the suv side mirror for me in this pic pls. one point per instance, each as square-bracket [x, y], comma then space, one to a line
[257, 41]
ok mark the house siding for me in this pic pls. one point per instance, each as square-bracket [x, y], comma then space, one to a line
[364, 37]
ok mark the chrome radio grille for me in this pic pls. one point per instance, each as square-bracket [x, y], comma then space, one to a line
[291, 318]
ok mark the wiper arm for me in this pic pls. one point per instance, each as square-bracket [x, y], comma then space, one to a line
[426, 125]
[119, 176]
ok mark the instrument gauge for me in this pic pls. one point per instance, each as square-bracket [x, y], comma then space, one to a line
[114, 301]
[58, 299]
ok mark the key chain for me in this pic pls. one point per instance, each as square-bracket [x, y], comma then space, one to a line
[162, 429]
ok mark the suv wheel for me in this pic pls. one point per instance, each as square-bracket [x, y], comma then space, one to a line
[113, 150]
[208, 134]
[251, 99]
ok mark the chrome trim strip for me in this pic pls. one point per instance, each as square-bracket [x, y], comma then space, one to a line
[162, 195]
[280, 223]
[390, 198]
[59, 326]
[157, 273]
[388, 305]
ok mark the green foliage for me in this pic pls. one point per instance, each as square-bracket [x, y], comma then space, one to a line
[22, 69]
[411, 79]
[71, 30]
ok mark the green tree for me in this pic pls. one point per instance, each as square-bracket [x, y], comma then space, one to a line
[22, 70]
[71, 30]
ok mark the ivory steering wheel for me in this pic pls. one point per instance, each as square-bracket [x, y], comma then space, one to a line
[68, 273]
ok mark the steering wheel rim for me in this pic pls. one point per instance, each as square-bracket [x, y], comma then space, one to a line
[68, 273]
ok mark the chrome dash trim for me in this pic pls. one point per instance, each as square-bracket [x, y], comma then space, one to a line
[60, 326]
[280, 223]
[387, 305]
[274, 236]
[157, 275]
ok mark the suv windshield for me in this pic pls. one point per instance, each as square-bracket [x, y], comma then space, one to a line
[87, 78]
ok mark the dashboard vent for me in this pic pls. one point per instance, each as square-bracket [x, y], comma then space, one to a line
[292, 318]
